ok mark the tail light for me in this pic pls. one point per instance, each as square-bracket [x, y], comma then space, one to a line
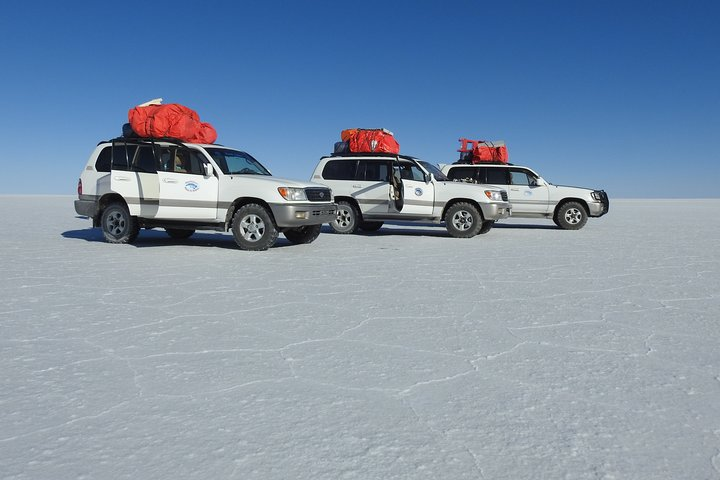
[79, 186]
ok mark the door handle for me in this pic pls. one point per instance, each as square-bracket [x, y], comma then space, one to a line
[121, 179]
[169, 180]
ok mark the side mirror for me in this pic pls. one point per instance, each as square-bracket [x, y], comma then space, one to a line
[208, 169]
[429, 178]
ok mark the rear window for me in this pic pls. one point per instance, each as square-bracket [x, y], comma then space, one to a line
[102, 164]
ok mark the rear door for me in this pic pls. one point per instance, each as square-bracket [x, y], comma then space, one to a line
[371, 187]
[134, 176]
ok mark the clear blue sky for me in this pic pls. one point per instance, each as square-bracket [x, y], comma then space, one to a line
[623, 96]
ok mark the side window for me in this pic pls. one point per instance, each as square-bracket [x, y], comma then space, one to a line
[102, 164]
[122, 156]
[409, 171]
[145, 160]
[373, 171]
[180, 160]
[463, 174]
[339, 170]
[519, 177]
[497, 176]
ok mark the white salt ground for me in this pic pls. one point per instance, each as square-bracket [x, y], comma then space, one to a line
[528, 352]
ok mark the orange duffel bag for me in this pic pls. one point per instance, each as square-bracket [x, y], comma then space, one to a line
[171, 120]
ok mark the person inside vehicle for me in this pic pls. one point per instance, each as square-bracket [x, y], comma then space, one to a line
[181, 165]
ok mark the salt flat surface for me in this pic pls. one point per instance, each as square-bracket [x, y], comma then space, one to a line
[528, 352]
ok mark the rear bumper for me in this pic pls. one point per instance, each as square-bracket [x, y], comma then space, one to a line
[86, 208]
[298, 215]
[496, 211]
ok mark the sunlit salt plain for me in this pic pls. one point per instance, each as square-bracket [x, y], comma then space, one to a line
[528, 352]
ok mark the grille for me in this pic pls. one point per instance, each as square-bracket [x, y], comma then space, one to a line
[318, 194]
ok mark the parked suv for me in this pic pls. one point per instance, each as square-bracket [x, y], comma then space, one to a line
[373, 188]
[133, 183]
[531, 196]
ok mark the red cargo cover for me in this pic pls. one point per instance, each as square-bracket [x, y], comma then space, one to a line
[480, 151]
[171, 120]
[367, 140]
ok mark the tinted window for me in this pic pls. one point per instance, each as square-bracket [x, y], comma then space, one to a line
[145, 160]
[339, 170]
[102, 164]
[463, 174]
[497, 176]
[122, 156]
[235, 162]
[373, 171]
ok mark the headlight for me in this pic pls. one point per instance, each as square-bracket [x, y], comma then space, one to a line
[289, 193]
[596, 196]
[494, 195]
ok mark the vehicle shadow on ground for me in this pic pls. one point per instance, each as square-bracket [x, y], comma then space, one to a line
[158, 238]
[527, 226]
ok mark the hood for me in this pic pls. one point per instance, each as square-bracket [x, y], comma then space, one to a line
[275, 181]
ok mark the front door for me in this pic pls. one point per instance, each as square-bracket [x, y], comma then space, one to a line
[418, 195]
[525, 195]
[186, 193]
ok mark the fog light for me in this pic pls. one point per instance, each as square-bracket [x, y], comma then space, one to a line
[302, 215]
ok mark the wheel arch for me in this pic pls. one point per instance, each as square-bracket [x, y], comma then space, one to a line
[241, 202]
[562, 202]
[353, 201]
[455, 201]
[103, 203]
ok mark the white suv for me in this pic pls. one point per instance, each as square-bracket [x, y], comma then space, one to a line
[531, 196]
[133, 183]
[371, 188]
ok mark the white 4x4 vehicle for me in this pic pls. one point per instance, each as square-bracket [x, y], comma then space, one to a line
[371, 188]
[133, 183]
[531, 196]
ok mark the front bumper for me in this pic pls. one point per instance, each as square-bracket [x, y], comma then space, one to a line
[598, 209]
[496, 211]
[301, 214]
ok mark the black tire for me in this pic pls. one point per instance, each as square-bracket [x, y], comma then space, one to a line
[117, 225]
[571, 216]
[178, 234]
[370, 226]
[463, 220]
[253, 228]
[301, 235]
[348, 218]
[487, 225]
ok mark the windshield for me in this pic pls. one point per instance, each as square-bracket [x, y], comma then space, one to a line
[234, 162]
[440, 176]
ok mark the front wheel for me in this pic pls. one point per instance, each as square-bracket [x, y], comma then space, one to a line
[571, 216]
[253, 228]
[463, 220]
[301, 235]
[118, 226]
[348, 218]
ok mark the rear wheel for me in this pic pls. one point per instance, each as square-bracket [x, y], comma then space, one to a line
[571, 216]
[253, 228]
[179, 234]
[347, 220]
[118, 226]
[300, 235]
[463, 220]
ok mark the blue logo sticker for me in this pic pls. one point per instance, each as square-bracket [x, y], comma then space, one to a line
[418, 192]
[191, 186]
